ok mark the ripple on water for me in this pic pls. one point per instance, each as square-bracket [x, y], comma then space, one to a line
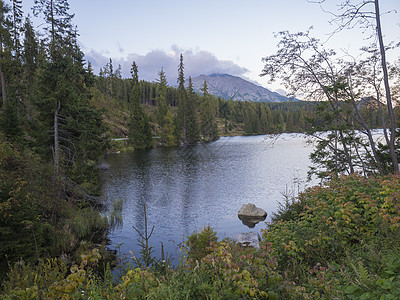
[186, 188]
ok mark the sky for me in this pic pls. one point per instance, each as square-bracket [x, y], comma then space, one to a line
[214, 36]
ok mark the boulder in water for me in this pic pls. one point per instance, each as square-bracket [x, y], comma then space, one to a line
[250, 210]
[248, 239]
[250, 214]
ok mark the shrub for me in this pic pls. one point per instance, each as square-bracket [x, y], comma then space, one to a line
[198, 243]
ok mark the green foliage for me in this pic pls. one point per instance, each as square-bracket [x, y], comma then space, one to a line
[338, 241]
[165, 117]
[146, 258]
[139, 127]
[191, 117]
[37, 220]
[345, 232]
[208, 125]
[22, 230]
[10, 124]
[227, 272]
[52, 279]
[199, 243]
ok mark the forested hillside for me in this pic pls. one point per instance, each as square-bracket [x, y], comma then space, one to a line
[114, 94]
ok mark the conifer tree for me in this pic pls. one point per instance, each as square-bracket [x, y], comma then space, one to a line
[16, 63]
[5, 47]
[10, 69]
[66, 121]
[165, 118]
[29, 58]
[140, 135]
[16, 26]
[192, 122]
[181, 119]
[264, 119]
[58, 21]
[208, 122]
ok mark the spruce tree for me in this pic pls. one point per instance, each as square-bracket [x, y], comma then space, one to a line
[16, 28]
[208, 122]
[140, 135]
[192, 123]
[29, 58]
[181, 119]
[5, 48]
[164, 115]
[10, 69]
[69, 130]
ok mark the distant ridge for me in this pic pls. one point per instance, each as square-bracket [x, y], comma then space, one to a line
[227, 86]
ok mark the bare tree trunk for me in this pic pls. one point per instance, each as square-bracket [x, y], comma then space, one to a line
[56, 139]
[3, 86]
[3, 79]
[347, 153]
[387, 89]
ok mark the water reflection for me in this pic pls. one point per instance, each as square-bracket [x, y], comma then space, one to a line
[251, 222]
[186, 188]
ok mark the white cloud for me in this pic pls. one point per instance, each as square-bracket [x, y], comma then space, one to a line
[281, 92]
[196, 62]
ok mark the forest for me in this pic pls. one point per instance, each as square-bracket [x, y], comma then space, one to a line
[340, 239]
[226, 116]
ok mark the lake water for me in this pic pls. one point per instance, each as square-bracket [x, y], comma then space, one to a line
[187, 188]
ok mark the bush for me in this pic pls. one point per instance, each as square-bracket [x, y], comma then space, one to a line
[199, 243]
[341, 228]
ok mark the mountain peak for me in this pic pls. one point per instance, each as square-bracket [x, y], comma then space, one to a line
[228, 86]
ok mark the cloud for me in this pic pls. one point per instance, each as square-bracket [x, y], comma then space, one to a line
[196, 62]
[120, 49]
[281, 92]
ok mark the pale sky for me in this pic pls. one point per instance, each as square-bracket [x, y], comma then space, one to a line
[215, 36]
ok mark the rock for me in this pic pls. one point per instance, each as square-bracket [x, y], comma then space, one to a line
[250, 214]
[103, 166]
[249, 239]
[250, 210]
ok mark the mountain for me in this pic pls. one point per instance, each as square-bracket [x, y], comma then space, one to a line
[227, 86]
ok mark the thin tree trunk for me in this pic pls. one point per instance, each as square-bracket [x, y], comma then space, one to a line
[3, 79]
[387, 89]
[56, 139]
[3, 86]
[347, 153]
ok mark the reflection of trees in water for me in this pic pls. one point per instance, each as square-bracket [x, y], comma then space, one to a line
[185, 188]
[189, 165]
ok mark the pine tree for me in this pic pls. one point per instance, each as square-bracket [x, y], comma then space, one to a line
[165, 118]
[16, 26]
[140, 135]
[58, 22]
[29, 58]
[16, 84]
[181, 119]
[10, 69]
[208, 122]
[65, 121]
[5, 48]
[264, 119]
[192, 123]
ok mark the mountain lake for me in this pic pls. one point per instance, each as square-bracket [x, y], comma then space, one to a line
[187, 188]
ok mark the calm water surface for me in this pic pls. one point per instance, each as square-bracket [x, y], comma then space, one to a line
[186, 188]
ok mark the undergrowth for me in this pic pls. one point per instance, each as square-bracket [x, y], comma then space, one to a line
[337, 241]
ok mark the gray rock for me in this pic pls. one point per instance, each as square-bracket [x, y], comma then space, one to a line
[249, 239]
[103, 166]
[250, 210]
